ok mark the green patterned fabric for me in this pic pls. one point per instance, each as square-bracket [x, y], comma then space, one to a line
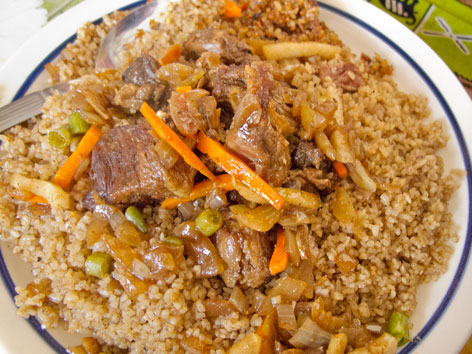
[445, 25]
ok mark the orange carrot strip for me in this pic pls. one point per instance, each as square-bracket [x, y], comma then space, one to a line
[237, 168]
[279, 260]
[341, 170]
[38, 200]
[66, 172]
[183, 89]
[172, 55]
[232, 9]
[173, 140]
[200, 190]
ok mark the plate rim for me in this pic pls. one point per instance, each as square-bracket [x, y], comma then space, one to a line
[336, 6]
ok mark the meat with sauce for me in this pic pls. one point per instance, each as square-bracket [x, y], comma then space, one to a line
[142, 85]
[246, 254]
[345, 75]
[251, 134]
[229, 47]
[126, 169]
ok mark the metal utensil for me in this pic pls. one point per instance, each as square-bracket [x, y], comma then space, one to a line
[30, 105]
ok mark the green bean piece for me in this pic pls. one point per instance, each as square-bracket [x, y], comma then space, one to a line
[209, 221]
[60, 138]
[398, 327]
[133, 215]
[173, 240]
[99, 265]
[77, 125]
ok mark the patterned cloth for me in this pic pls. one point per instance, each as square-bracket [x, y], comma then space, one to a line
[445, 25]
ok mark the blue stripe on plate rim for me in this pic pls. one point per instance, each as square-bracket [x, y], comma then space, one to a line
[460, 138]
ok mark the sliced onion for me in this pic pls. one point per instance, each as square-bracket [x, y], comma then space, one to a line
[289, 289]
[306, 274]
[340, 142]
[310, 335]
[291, 246]
[360, 176]
[92, 118]
[299, 198]
[186, 210]
[324, 144]
[239, 300]
[218, 307]
[251, 344]
[343, 208]
[262, 218]
[167, 153]
[84, 164]
[302, 241]
[286, 317]
[216, 199]
[123, 229]
[140, 270]
[257, 300]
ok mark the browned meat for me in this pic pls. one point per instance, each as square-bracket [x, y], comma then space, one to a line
[246, 254]
[142, 85]
[306, 154]
[344, 74]
[126, 169]
[316, 177]
[230, 48]
[307, 179]
[193, 111]
[141, 71]
[252, 136]
[131, 96]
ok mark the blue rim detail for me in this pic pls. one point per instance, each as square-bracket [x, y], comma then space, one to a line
[9, 284]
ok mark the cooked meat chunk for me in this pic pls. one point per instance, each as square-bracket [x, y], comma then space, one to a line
[193, 111]
[344, 74]
[142, 85]
[230, 48]
[307, 179]
[246, 254]
[316, 177]
[141, 71]
[252, 136]
[306, 154]
[126, 169]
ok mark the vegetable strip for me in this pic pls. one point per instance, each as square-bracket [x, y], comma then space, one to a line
[232, 10]
[172, 55]
[66, 172]
[183, 89]
[279, 260]
[340, 169]
[173, 140]
[237, 168]
[200, 190]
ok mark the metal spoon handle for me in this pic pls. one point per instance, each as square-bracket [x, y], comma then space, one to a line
[27, 106]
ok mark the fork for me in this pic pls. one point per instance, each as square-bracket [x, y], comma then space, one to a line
[31, 105]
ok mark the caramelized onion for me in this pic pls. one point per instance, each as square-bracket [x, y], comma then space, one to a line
[239, 300]
[289, 289]
[286, 317]
[310, 335]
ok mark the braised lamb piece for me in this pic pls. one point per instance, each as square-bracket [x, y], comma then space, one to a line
[230, 48]
[142, 85]
[246, 254]
[126, 169]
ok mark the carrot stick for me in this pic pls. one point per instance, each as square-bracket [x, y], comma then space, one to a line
[200, 190]
[66, 172]
[38, 200]
[237, 168]
[172, 55]
[340, 169]
[279, 260]
[173, 140]
[232, 9]
[183, 89]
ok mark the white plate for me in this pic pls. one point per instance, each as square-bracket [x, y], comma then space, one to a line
[442, 321]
